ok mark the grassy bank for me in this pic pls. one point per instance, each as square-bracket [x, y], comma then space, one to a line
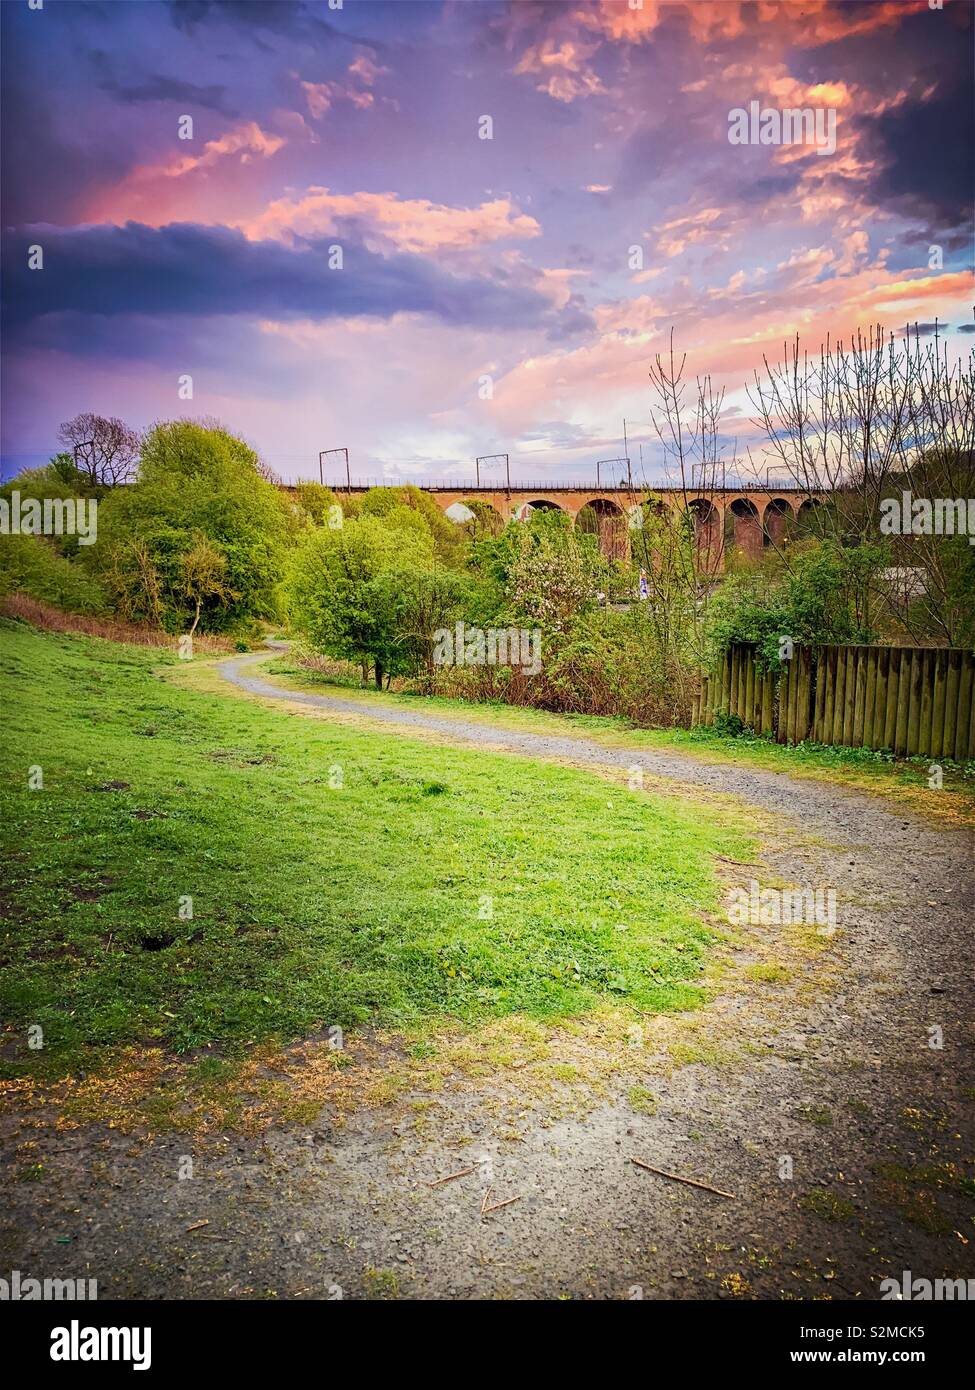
[335, 877]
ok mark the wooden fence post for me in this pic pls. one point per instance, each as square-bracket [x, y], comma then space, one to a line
[829, 697]
[914, 706]
[724, 682]
[749, 715]
[903, 703]
[939, 691]
[819, 675]
[870, 697]
[952, 681]
[882, 681]
[735, 677]
[848, 662]
[803, 692]
[768, 694]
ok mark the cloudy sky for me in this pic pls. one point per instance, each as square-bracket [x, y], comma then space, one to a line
[494, 294]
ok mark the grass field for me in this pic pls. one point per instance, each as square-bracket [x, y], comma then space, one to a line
[862, 768]
[337, 877]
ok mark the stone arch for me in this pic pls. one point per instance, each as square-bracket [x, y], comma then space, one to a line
[778, 520]
[707, 522]
[488, 521]
[808, 519]
[546, 504]
[743, 527]
[606, 521]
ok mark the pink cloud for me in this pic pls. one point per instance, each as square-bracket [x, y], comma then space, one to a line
[571, 38]
[416, 225]
[156, 193]
[725, 334]
[563, 67]
[244, 140]
[361, 75]
[806, 22]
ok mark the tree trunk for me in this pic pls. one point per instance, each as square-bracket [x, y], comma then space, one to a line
[379, 675]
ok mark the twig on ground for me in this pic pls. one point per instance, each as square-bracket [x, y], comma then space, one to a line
[450, 1177]
[676, 1177]
[498, 1205]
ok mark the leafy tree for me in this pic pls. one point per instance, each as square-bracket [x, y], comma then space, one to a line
[372, 591]
[337, 598]
[316, 501]
[450, 541]
[549, 572]
[57, 480]
[419, 598]
[821, 596]
[200, 536]
[203, 572]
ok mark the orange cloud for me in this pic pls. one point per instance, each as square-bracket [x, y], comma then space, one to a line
[408, 224]
[158, 193]
[725, 335]
[562, 58]
[563, 68]
[807, 22]
[321, 96]
[246, 140]
[675, 237]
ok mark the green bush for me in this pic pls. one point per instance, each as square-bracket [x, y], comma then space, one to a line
[200, 535]
[822, 593]
[31, 565]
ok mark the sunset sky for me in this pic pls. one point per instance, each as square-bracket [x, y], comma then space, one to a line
[463, 258]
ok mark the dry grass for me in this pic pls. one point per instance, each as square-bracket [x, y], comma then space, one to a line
[50, 619]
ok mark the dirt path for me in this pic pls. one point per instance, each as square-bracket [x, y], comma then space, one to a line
[818, 1100]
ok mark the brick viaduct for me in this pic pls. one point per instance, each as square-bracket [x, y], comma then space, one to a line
[749, 517]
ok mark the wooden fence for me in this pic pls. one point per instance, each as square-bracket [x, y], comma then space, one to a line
[913, 700]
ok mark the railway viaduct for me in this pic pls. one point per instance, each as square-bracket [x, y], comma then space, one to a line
[749, 517]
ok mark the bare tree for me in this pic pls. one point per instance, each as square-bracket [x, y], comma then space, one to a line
[105, 450]
[687, 423]
[861, 422]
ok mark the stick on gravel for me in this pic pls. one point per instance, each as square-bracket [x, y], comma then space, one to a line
[676, 1177]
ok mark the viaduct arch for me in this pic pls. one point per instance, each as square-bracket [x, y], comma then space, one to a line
[750, 518]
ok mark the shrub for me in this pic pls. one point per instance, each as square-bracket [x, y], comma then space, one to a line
[31, 565]
[200, 531]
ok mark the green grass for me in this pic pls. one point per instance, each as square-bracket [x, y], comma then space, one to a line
[860, 767]
[827, 1205]
[434, 882]
[641, 1100]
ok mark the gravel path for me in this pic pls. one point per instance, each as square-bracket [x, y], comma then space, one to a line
[822, 804]
[843, 1133]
